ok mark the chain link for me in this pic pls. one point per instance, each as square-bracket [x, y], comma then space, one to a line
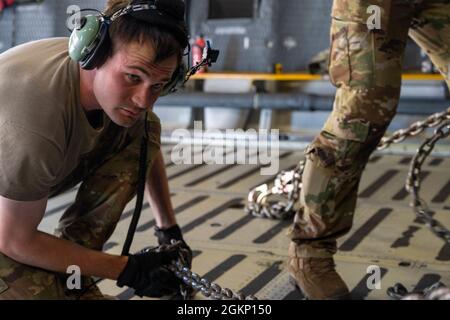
[413, 182]
[437, 291]
[263, 203]
[209, 289]
[415, 129]
[193, 280]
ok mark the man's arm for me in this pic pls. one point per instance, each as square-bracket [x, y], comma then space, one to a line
[21, 241]
[158, 194]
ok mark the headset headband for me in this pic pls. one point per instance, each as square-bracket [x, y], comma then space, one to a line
[132, 8]
[157, 15]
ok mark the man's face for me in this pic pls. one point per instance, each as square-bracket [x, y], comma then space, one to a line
[129, 83]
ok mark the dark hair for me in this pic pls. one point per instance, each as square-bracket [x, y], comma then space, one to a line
[127, 29]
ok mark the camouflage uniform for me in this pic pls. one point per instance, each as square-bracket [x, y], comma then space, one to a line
[366, 67]
[109, 178]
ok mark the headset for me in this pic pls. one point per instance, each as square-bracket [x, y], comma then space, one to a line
[90, 42]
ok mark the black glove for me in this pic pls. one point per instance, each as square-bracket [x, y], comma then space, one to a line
[147, 272]
[165, 236]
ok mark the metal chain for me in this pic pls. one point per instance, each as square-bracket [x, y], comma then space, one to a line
[413, 182]
[193, 280]
[263, 203]
[208, 289]
[415, 129]
[437, 291]
[287, 184]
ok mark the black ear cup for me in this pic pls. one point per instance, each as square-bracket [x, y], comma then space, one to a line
[100, 53]
[176, 81]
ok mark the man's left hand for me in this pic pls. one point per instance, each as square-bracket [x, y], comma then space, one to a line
[165, 237]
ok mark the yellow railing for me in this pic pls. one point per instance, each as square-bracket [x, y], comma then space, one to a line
[299, 76]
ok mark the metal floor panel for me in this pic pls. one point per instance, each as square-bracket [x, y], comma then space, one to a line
[248, 255]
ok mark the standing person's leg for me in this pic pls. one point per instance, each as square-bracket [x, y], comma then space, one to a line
[365, 66]
[432, 33]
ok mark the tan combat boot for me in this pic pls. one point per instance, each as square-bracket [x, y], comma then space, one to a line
[317, 278]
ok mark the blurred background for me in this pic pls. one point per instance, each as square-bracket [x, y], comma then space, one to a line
[271, 72]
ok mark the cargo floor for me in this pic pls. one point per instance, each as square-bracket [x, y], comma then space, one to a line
[248, 255]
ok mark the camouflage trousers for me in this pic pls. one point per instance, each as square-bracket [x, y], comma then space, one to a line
[108, 176]
[366, 67]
